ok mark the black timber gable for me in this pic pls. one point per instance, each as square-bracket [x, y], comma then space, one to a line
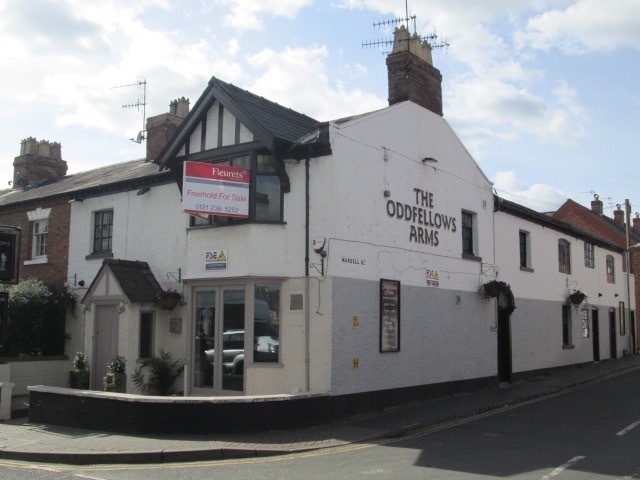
[274, 128]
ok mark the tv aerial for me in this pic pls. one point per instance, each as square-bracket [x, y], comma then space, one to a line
[431, 39]
[141, 103]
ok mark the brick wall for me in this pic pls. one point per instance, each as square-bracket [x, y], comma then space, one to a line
[54, 272]
[411, 78]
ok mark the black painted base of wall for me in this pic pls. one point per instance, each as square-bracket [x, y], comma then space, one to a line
[519, 376]
[127, 414]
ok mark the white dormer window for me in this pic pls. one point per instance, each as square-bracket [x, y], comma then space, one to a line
[39, 219]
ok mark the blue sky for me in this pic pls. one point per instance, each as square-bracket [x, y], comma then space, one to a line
[544, 94]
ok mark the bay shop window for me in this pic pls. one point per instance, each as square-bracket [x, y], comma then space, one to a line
[265, 192]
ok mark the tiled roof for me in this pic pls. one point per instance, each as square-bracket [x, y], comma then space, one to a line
[281, 122]
[135, 278]
[542, 219]
[84, 182]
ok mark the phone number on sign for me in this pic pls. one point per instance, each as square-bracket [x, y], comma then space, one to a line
[215, 208]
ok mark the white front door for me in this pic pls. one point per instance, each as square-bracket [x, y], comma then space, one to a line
[105, 343]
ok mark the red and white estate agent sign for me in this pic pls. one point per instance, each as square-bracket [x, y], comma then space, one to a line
[211, 189]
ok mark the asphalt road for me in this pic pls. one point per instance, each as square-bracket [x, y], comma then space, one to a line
[591, 432]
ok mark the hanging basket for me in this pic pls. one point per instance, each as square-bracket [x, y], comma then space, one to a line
[168, 303]
[577, 297]
[494, 288]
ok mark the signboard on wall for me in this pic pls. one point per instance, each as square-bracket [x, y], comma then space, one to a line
[216, 260]
[211, 189]
[389, 315]
[4, 302]
[9, 254]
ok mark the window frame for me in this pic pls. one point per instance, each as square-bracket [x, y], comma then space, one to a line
[97, 228]
[564, 256]
[589, 255]
[149, 336]
[524, 240]
[469, 235]
[39, 216]
[262, 291]
[39, 239]
[610, 269]
[257, 173]
[566, 327]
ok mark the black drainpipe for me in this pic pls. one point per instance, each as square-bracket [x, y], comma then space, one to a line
[306, 219]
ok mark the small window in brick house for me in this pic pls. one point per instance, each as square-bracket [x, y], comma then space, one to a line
[40, 233]
[39, 219]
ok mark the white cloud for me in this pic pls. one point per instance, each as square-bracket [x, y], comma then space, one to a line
[539, 197]
[309, 90]
[513, 112]
[246, 14]
[584, 26]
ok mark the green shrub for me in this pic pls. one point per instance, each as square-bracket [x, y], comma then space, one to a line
[35, 319]
[163, 372]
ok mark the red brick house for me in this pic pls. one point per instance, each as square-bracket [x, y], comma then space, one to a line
[613, 230]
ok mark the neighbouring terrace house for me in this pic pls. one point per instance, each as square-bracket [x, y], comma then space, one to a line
[545, 261]
[621, 231]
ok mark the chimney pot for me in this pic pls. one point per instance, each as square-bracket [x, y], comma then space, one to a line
[596, 205]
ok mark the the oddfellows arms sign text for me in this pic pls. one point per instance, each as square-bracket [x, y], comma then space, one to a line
[425, 221]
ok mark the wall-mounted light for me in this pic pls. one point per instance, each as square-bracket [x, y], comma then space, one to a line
[616, 295]
[143, 190]
[120, 307]
[429, 160]
[387, 193]
[599, 294]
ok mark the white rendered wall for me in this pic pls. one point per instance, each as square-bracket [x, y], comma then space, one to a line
[536, 324]
[149, 228]
[446, 331]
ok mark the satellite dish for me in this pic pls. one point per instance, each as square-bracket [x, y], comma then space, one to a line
[139, 138]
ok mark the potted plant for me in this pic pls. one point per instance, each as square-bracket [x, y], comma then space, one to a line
[79, 376]
[163, 372]
[116, 379]
[168, 299]
[494, 288]
[577, 297]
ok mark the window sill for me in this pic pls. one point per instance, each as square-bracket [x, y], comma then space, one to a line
[470, 256]
[526, 269]
[37, 261]
[95, 256]
[568, 347]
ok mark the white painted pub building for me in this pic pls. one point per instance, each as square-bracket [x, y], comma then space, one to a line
[345, 257]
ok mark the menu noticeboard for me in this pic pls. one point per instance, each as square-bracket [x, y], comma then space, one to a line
[389, 315]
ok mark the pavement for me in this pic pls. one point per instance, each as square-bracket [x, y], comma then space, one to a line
[21, 440]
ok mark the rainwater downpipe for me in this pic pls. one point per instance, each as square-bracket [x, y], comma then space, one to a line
[307, 319]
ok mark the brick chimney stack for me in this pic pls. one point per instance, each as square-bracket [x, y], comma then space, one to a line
[38, 162]
[636, 222]
[161, 128]
[618, 215]
[411, 73]
[596, 205]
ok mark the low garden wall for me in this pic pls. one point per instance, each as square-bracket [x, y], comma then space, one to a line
[50, 371]
[139, 414]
